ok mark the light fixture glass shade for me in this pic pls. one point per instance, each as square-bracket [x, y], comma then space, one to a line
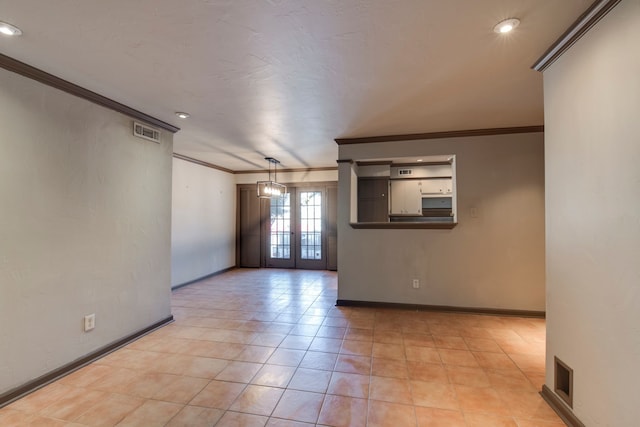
[271, 189]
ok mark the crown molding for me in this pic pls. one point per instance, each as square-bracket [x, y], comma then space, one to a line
[43, 77]
[202, 163]
[325, 168]
[439, 135]
[579, 28]
[220, 168]
[374, 163]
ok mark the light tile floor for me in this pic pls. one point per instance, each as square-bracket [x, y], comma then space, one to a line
[269, 348]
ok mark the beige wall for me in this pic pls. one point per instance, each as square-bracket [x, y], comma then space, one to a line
[495, 260]
[203, 226]
[203, 238]
[85, 223]
[592, 111]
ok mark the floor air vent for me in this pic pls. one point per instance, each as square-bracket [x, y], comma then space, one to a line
[146, 132]
[563, 381]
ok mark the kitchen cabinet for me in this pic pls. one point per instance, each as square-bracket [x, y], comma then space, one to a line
[419, 193]
[407, 194]
[406, 197]
[436, 187]
[373, 201]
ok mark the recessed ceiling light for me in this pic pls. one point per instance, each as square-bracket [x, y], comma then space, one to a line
[183, 115]
[506, 26]
[9, 30]
[419, 160]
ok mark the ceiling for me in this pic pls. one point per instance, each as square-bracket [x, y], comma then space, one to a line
[284, 78]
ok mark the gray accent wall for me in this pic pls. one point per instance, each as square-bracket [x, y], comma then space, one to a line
[494, 259]
[85, 227]
[592, 111]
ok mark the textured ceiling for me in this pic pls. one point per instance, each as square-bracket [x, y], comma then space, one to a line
[283, 78]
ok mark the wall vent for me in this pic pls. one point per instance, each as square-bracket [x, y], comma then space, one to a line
[563, 384]
[405, 172]
[146, 132]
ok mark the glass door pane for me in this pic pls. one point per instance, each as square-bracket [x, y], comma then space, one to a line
[311, 224]
[280, 227]
[311, 250]
[279, 245]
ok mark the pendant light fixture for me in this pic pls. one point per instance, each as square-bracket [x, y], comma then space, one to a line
[271, 189]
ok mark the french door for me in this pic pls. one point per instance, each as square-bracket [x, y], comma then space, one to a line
[310, 241]
[281, 231]
[295, 233]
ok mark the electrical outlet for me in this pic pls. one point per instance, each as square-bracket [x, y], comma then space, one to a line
[416, 283]
[89, 322]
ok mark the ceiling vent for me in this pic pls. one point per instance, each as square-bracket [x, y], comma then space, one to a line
[146, 132]
[405, 172]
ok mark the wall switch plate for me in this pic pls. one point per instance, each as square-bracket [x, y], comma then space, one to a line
[89, 322]
[416, 283]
